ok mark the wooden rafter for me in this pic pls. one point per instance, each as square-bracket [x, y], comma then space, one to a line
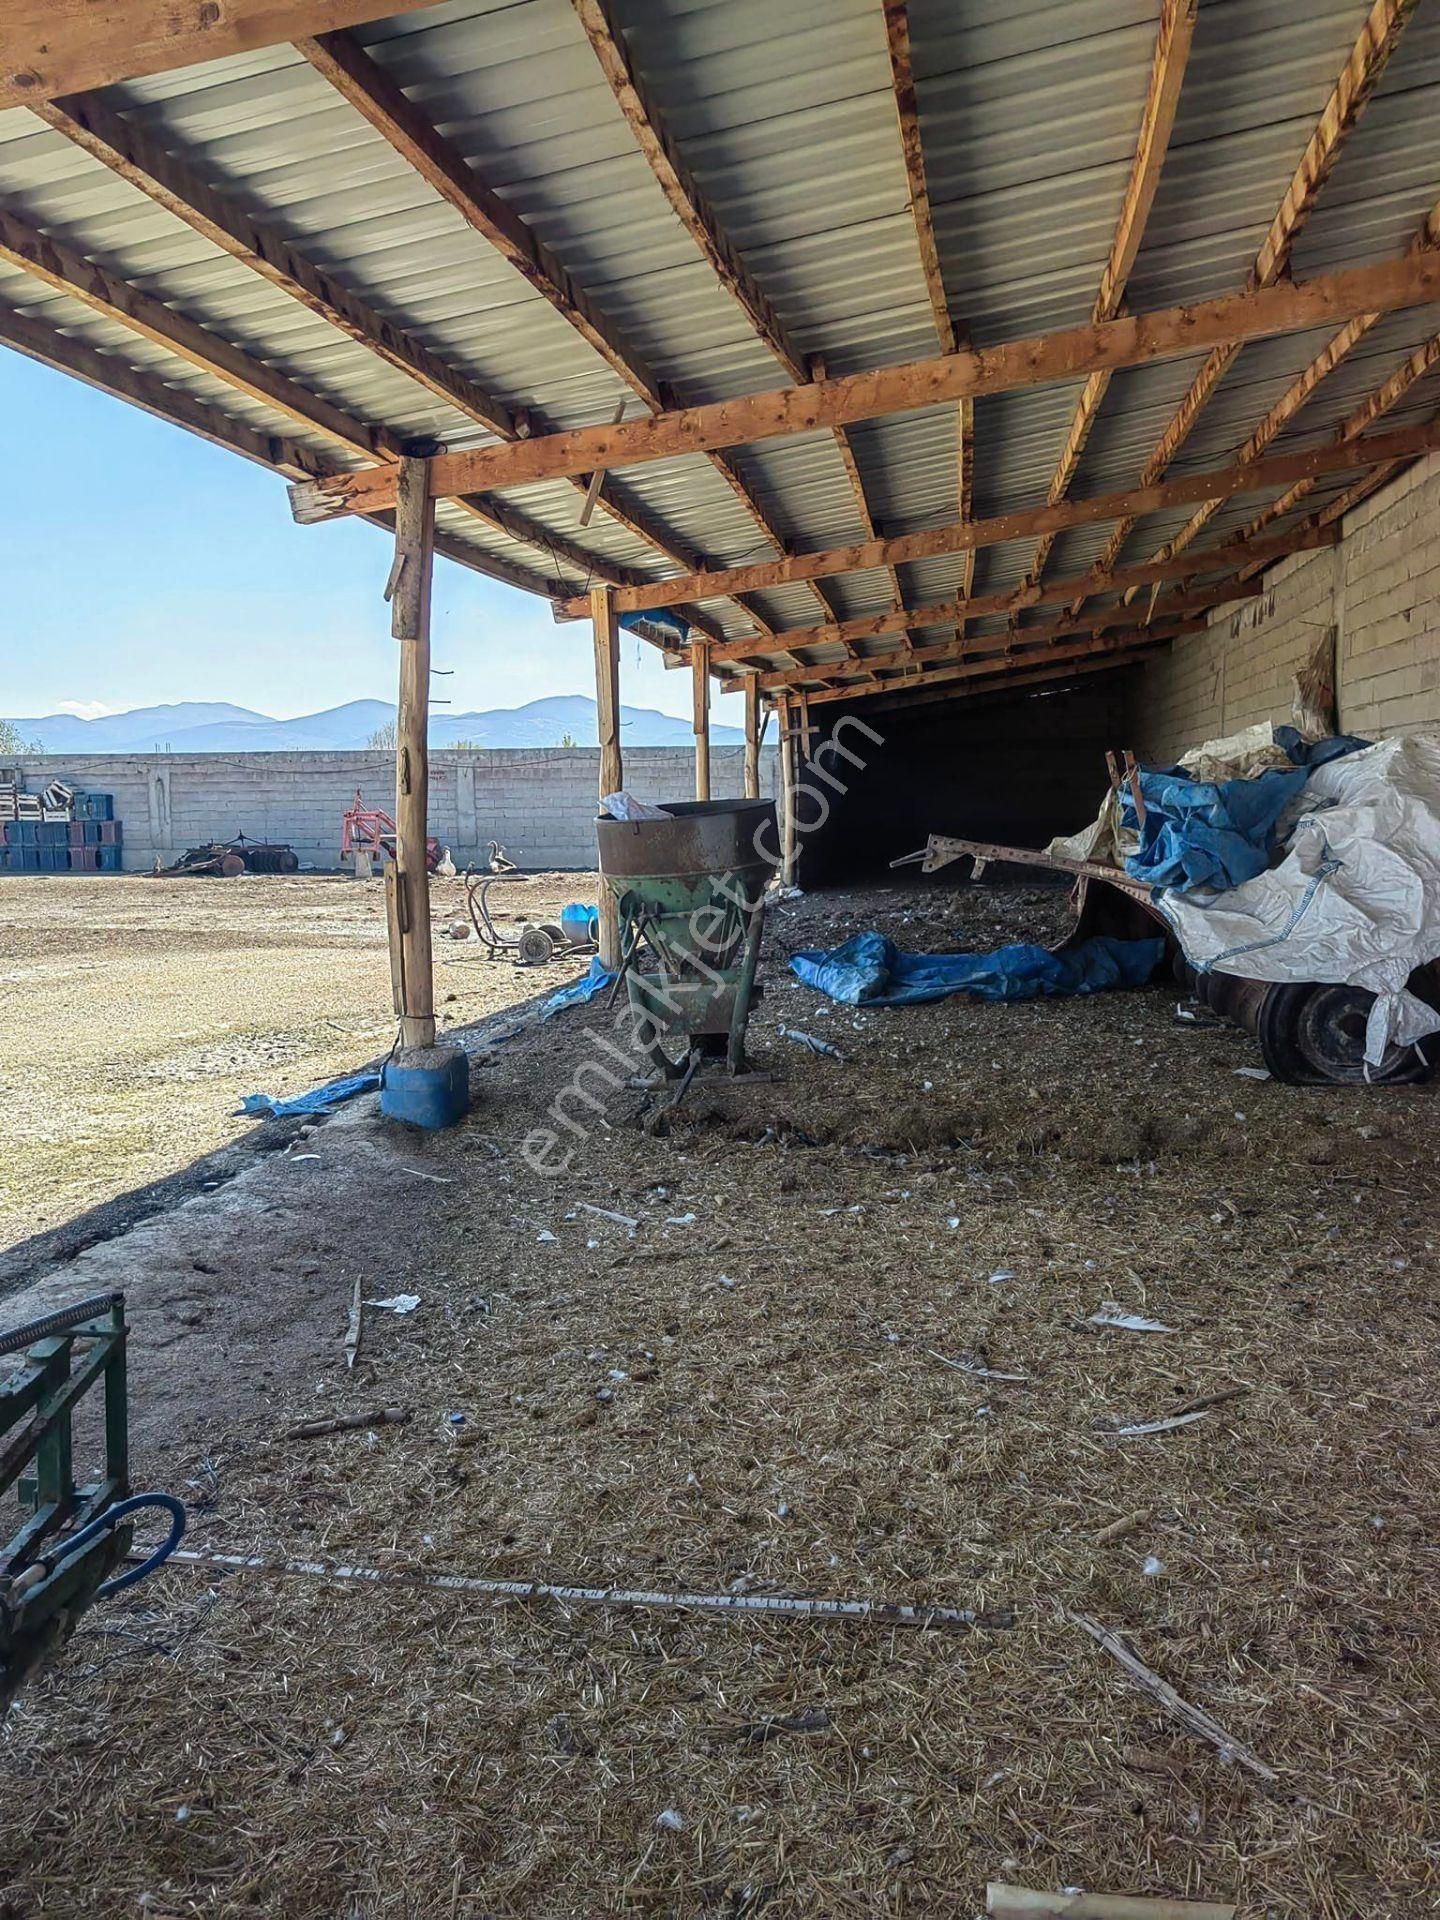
[693, 209]
[1131, 340]
[1095, 623]
[1359, 77]
[1167, 73]
[136, 157]
[368, 88]
[106, 373]
[1387, 395]
[54, 47]
[1280, 470]
[948, 613]
[1335, 351]
[950, 338]
[1026, 667]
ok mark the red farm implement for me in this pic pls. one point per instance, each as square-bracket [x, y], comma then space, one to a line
[371, 831]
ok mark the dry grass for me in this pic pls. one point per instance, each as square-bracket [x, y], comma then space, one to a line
[794, 1432]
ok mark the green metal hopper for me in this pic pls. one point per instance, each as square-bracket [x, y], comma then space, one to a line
[688, 889]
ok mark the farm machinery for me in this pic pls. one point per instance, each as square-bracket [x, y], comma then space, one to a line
[574, 933]
[370, 831]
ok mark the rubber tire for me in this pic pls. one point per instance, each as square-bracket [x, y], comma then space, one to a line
[536, 947]
[1313, 1036]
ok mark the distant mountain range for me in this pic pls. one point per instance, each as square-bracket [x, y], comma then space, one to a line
[214, 726]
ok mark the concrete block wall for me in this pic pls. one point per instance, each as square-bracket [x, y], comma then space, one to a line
[538, 802]
[1378, 592]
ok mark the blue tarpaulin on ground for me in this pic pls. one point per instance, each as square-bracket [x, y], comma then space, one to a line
[595, 981]
[871, 971]
[319, 1099]
[1203, 833]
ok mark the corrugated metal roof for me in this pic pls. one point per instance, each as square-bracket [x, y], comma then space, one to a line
[786, 117]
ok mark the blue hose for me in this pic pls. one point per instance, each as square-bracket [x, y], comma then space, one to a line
[112, 1517]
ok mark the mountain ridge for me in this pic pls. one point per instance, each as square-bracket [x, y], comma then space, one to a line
[218, 726]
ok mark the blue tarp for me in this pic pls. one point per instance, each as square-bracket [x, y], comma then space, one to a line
[319, 1099]
[1202, 833]
[871, 971]
[595, 981]
[1317, 753]
[661, 619]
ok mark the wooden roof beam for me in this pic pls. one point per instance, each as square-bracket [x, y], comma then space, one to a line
[54, 47]
[366, 86]
[1366, 62]
[1157, 121]
[1335, 351]
[1280, 470]
[1027, 667]
[1098, 621]
[132, 154]
[1001, 685]
[108, 374]
[1132, 340]
[950, 338]
[947, 613]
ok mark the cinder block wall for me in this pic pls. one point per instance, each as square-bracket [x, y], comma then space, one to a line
[1379, 591]
[538, 802]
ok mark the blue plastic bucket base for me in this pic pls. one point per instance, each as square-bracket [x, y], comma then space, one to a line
[426, 1087]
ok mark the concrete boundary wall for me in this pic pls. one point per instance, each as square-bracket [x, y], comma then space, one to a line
[538, 802]
[1375, 597]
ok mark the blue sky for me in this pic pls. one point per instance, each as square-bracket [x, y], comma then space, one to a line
[143, 565]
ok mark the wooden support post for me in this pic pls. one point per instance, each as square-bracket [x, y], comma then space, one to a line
[700, 671]
[752, 736]
[607, 716]
[409, 593]
[788, 778]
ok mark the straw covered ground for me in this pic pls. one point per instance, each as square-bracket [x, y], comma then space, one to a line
[784, 1378]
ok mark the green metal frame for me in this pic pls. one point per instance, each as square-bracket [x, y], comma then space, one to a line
[37, 1613]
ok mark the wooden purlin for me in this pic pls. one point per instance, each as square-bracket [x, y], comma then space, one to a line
[134, 156]
[1228, 556]
[1278, 470]
[695, 213]
[1027, 665]
[1102, 620]
[1167, 72]
[1387, 395]
[949, 337]
[1333, 354]
[1132, 340]
[921, 692]
[1360, 75]
[368, 88]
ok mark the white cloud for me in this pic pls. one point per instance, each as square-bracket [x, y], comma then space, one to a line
[86, 709]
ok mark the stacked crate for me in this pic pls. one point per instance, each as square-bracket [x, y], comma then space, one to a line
[57, 831]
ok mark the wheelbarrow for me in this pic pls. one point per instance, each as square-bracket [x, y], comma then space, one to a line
[688, 891]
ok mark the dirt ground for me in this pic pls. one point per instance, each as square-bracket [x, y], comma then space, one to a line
[838, 1344]
[136, 1013]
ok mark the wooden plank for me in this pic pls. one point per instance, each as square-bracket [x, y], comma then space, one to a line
[789, 838]
[1333, 354]
[136, 157]
[59, 46]
[1131, 340]
[612, 771]
[678, 183]
[1002, 686]
[752, 736]
[107, 373]
[1022, 669]
[1358, 78]
[700, 690]
[410, 625]
[955, 612]
[103, 293]
[1280, 470]
[1157, 120]
[1096, 623]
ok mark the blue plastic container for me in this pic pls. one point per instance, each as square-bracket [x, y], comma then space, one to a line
[580, 922]
[109, 859]
[432, 1097]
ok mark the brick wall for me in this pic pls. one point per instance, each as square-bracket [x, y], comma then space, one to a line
[1378, 591]
[539, 802]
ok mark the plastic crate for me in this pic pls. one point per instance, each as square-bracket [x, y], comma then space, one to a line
[109, 859]
[94, 806]
[23, 833]
[107, 832]
[84, 859]
[76, 833]
[53, 859]
[53, 833]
